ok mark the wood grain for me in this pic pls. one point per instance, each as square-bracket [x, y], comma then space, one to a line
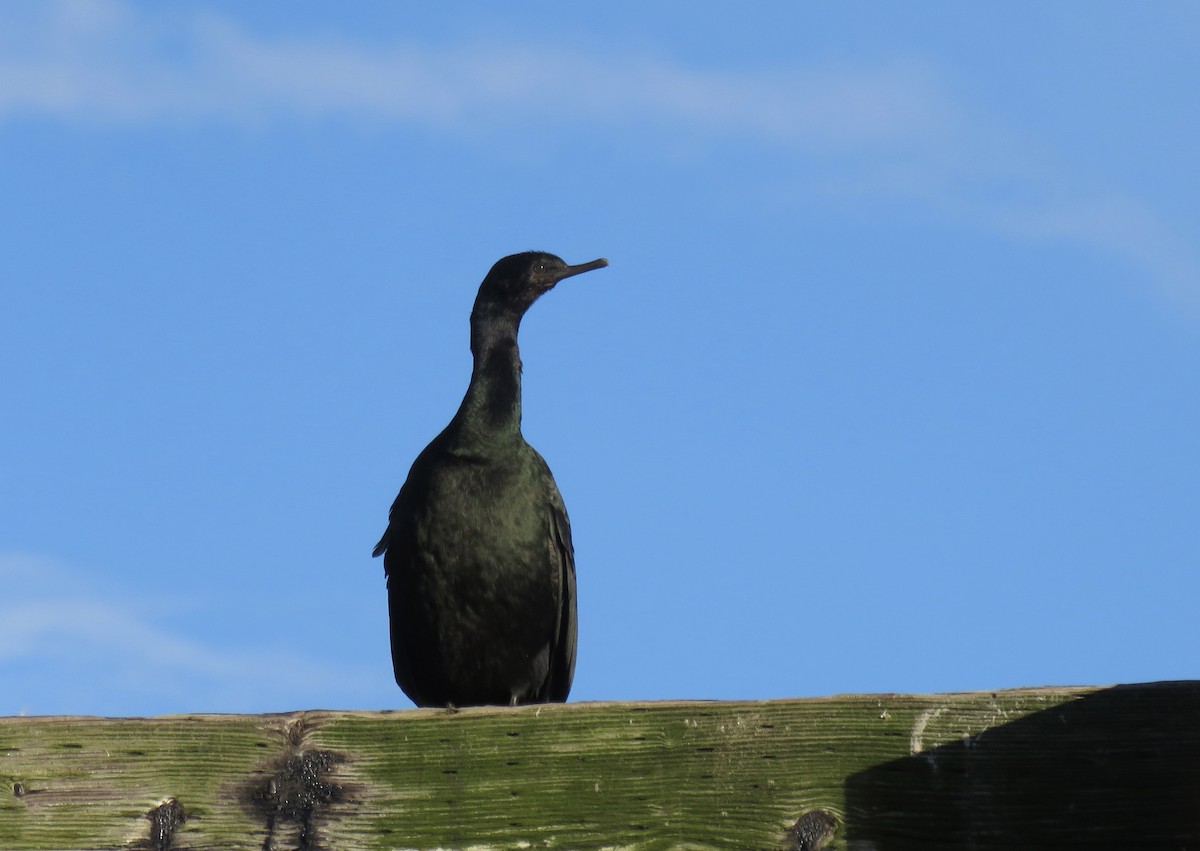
[1030, 768]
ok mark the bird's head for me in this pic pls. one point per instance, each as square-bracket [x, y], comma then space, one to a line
[516, 281]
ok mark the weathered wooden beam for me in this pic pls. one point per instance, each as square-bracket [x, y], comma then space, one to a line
[1028, 768]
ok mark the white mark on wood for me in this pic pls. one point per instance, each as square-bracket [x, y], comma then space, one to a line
[916, 741]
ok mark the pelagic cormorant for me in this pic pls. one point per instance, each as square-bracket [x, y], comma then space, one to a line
[480, 565]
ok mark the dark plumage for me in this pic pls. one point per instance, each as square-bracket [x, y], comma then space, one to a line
[480, 565]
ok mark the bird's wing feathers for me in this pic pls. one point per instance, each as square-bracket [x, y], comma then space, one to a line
[397, 515]
[398, 542]
[386, 540]
[562, 662]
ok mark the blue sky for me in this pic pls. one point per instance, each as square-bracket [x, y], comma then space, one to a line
[891, 384]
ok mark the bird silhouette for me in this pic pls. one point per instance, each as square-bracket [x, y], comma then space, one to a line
[479, 561]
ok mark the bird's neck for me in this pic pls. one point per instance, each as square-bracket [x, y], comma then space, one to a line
[491, 410]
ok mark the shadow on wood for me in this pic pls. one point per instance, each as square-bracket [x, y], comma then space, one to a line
[1115, 769]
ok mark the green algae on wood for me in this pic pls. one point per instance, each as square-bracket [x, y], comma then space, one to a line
[877, 771]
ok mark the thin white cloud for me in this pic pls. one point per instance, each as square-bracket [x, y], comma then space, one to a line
[1120, 226]
[893, 130]
[61, 640]
[92, 60]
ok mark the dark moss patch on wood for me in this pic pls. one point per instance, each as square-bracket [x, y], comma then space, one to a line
[295, 796]
[165, 819]
[812, 831]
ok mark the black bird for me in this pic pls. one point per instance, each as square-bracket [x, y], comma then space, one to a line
[480, 565]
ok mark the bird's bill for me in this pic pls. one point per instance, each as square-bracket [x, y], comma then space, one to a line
[581, 268]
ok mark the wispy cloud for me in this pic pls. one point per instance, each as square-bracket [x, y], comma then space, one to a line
[890, 130]
[63, 642]
[1119, 226]
[90, 60]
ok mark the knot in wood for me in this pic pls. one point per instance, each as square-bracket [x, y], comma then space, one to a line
[812, 831]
